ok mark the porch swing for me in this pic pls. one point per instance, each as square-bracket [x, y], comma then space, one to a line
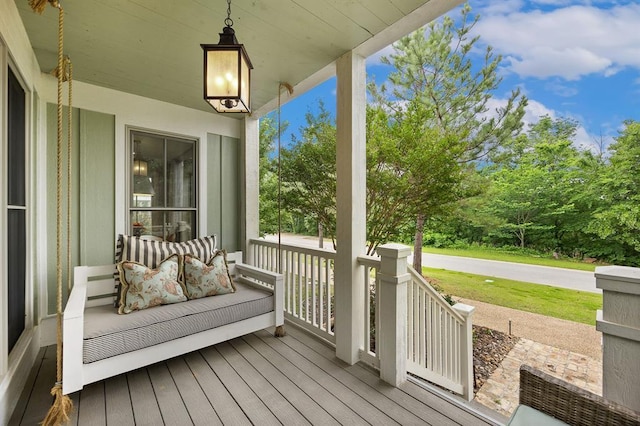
[95, 343]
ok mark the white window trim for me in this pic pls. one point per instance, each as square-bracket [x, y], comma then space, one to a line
[124, 192]
[8, 361]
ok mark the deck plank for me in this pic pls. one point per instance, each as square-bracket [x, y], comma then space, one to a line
[272, 398]
[391, 400]
[222, 402]
[320, 387]
[169, 399]
[445, 407]
[336, 369]
[255, 379]
[252, 406]
[23, 399]
[91, 408]
[143, 400]
[73, 416]
[40, 399]
[307, 406]
[199, 407]
[118, 401]
[429, 407]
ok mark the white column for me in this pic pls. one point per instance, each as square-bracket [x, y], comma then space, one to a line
[619, 322]
[351, 209]
[466, 349]
[250, 220]
[391, 340]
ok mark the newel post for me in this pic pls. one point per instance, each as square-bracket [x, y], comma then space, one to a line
[619, 322]
[391, 339]
[466, 349]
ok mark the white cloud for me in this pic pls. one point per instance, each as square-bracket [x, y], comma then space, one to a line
[568, 42]
[492, 7]
[534, 110]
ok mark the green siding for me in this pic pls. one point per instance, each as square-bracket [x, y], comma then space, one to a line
[223, 190]
[214, 218]
[92, 194]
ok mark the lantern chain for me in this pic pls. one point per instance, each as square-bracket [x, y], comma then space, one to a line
[228, 22]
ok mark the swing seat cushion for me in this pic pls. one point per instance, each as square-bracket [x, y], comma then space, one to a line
[107, 334]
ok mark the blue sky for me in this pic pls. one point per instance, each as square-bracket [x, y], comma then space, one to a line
[573, 59]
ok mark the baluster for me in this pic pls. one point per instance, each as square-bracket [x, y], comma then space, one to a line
[314, 289]
[307, 296]
[329, 285]
[299, 284]
[367, 310]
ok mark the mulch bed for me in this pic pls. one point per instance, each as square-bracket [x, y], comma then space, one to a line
[490, 347]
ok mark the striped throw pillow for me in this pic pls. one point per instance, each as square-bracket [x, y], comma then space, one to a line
[151, 253]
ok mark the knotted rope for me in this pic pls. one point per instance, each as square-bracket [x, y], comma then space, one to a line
[61, 408]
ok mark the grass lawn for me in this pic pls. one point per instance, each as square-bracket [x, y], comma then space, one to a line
[487, 253]
[572, 305]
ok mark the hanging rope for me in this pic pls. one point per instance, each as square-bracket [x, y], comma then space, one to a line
[290, 90]
[62, 405]
[280, 329]
[69, 76]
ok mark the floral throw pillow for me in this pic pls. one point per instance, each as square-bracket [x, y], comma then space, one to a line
[143, 287]
[202, 279]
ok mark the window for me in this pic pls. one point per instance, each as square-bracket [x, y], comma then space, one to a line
[16, 232]
[163, 200]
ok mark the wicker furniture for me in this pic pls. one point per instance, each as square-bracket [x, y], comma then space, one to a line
[569, 403]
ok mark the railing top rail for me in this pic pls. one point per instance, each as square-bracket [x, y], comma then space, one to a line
[370, 261]
[322, 252]
[416, 277]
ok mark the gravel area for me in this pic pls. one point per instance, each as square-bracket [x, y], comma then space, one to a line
[569, 335]
[490, 347]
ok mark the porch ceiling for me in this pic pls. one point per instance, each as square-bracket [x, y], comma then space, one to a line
[152, 48]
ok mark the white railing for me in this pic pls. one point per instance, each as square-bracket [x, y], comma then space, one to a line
[439, 338]
[371, 265]
[308, 283]
[438, 335]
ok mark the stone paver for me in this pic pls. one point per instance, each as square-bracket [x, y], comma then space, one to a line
[500, 391]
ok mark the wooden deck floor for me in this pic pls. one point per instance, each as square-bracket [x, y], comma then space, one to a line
[257, 379]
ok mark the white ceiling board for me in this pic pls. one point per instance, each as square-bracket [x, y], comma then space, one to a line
[151, 48]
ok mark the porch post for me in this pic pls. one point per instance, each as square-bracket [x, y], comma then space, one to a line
[619, 323]
[351, 208]
[466, 349]
[250, 217]
[391, 343]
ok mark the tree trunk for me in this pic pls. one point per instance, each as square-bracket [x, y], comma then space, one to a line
[417, 244]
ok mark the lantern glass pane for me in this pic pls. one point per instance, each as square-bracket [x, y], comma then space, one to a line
[222, 73]
[244, 82]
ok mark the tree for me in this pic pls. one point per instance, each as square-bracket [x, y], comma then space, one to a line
[435, 81]
[410, 169]
[617, 219]
[268, 174]
[536, 186]
[309, 171]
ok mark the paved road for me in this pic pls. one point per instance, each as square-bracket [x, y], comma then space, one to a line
[557, 277]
